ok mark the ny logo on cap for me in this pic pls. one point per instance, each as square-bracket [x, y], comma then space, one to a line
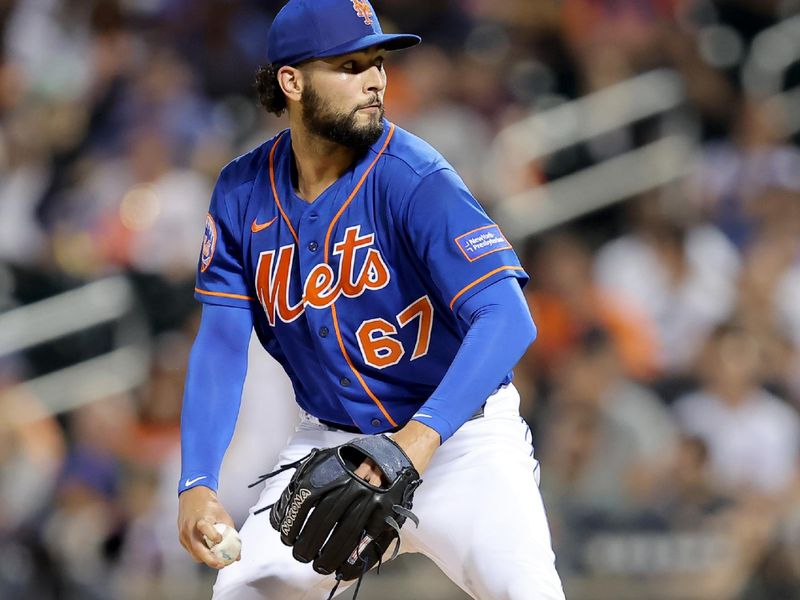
[363, 10]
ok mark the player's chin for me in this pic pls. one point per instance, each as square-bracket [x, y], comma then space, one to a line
[366, 122]
[364, 132]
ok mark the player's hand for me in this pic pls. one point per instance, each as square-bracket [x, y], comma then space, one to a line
[417, 440]
[198, 511]
[371, 473]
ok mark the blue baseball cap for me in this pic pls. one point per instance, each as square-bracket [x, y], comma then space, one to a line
[305, 29]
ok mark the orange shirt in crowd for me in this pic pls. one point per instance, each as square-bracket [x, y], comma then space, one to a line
[560, 328]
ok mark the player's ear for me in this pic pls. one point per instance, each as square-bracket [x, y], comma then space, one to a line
[291, 81]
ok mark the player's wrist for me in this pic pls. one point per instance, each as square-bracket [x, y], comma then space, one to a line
[419, 442]
[199, 490]
[194, 481]
[420, 431]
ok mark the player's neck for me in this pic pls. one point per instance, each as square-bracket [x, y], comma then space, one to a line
[319, 163]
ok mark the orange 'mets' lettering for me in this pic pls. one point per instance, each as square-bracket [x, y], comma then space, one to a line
[347, 249]
[272, 285]
[322, 287]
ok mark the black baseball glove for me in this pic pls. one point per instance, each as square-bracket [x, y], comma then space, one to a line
[334, 518]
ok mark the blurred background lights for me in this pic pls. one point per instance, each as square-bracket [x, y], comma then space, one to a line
[488, 44]
[139, 208]
[720, 46]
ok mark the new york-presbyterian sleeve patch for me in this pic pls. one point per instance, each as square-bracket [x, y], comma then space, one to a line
[209, 243]
[479, 242]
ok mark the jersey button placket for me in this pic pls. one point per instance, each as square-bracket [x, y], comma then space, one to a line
[313, 246]
[376, 422]
[345, 382]
[323, 332]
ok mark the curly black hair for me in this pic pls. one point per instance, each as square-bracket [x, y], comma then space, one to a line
[270, 94]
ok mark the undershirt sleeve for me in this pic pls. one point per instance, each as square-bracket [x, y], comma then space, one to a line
[213, 392]
[500, 330]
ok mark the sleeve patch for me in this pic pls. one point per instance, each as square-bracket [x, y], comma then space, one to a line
[209, 243]
[479, 242]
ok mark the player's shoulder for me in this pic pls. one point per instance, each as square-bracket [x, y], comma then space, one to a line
[412, 156]
[244, 169]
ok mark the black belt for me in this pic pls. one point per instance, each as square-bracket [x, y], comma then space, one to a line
[353, 429]
[348, 428]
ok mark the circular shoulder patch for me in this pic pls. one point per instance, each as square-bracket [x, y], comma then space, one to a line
[209, 243]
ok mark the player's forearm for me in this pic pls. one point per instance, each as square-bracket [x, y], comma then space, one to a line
[217, 369]
[501, 329]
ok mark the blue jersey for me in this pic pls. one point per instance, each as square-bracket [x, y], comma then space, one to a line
[357, 293]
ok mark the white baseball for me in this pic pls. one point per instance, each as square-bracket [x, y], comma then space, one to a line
[229, 548]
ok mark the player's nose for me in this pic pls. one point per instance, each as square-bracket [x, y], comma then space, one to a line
[374, 80]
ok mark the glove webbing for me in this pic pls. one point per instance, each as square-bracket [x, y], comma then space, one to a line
[281, 469]
[278, 471]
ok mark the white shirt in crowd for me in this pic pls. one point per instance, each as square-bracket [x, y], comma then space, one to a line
[683, 314]
[753, 445]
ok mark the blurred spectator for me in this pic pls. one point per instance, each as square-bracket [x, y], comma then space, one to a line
[586, 458]
[83, 522]
[22, 179]
[683, 278]
[753, 437]
[740, 174]
[608, 439]
[690, 495]
[31, 451]
[566, 303]
[770, 282]
[594, 375]
[767, 307]
[50, 40]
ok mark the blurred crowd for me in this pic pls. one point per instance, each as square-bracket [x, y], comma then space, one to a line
[663, 389]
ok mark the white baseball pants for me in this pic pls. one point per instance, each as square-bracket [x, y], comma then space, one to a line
[482, 520]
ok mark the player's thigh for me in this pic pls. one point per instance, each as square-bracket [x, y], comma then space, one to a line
[267, 569]
[482, 519]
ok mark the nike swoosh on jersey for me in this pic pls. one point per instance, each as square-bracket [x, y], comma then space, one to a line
[195, 480]
[256, 227]
[422, 415]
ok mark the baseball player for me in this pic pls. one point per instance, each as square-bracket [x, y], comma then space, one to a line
[394, 304]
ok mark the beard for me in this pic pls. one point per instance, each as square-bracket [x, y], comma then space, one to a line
[337, 127]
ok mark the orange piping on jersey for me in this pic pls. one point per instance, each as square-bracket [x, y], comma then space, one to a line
[333, 306]
[479, 279]
[275, 191]
[355, 190]
[223, 294]
[355, 371]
